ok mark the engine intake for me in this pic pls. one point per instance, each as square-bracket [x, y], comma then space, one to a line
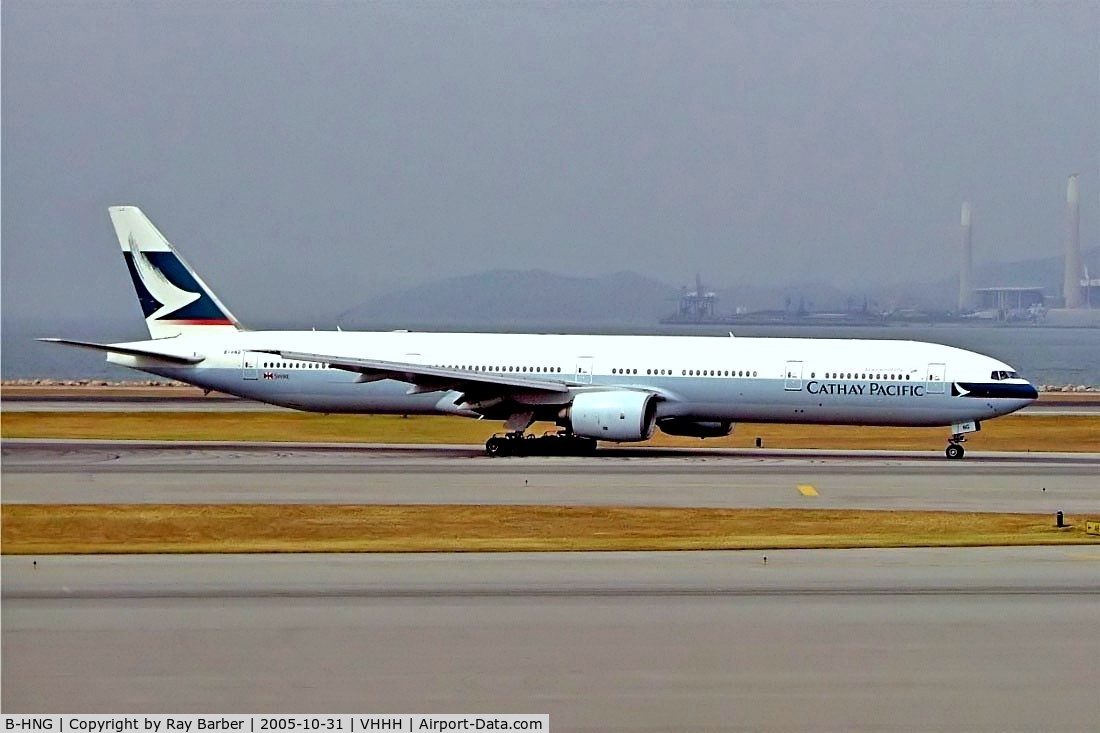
[619, 415]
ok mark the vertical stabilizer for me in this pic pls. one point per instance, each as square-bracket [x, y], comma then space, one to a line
[173, 298]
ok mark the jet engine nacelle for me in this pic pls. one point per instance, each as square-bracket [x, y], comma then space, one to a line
[695, 428]
[620, 415]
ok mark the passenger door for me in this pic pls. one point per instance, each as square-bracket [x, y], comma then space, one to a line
[584, 370]
[250, 365]
[937, 376]
[793, 376]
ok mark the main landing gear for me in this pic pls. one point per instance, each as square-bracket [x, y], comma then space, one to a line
[550, 444]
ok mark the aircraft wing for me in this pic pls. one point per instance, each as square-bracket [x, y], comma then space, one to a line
[428, 378]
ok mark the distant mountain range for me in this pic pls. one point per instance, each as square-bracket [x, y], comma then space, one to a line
[1046, 272]
[515, 298]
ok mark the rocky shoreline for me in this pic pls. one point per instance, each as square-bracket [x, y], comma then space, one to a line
[92, 383]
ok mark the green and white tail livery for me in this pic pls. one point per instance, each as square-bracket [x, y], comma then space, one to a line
[173, 298]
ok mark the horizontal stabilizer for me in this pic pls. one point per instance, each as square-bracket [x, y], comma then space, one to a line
[128, 350]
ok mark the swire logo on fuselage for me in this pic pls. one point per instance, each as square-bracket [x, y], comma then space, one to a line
[871, 389]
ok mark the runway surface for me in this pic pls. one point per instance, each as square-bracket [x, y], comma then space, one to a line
[979, 639]
[160, 472]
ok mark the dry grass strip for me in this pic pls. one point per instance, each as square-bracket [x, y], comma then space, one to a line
[172, 528]
[1012, 433]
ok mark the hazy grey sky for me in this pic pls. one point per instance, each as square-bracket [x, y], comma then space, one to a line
[306, 155]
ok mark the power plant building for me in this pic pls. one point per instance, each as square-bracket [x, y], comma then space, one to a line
[1080, 289]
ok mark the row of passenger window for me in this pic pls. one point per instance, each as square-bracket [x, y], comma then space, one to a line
[616, 371]
[877, 376]
[716, 373]
[500, 369]
[691, 372]
[294, 365]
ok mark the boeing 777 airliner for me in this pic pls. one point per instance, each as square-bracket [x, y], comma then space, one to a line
[611, 388]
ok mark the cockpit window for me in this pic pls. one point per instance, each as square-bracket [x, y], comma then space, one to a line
[1002, 375]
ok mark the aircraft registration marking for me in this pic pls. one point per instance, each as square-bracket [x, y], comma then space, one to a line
[807, 490]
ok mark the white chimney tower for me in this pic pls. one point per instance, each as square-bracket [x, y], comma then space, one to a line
[1071, 284]
[966, 292]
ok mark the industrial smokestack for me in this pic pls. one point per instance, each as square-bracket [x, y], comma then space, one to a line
[966, 293]
[1071, 284]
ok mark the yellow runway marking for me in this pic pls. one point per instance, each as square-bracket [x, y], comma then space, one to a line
[807, 490]
[1082, 556]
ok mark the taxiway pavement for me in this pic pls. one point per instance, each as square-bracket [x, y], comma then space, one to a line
[944, 639]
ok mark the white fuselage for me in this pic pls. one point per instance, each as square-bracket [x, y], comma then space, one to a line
[784, 380]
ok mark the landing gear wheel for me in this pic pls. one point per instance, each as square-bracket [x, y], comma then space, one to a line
[955, 451]
[584, 446]
[551, 444]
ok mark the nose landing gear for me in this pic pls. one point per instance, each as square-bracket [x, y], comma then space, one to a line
[954, 446]
[958, 437]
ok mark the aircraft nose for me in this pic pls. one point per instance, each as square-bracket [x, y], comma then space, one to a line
[1029, 392]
